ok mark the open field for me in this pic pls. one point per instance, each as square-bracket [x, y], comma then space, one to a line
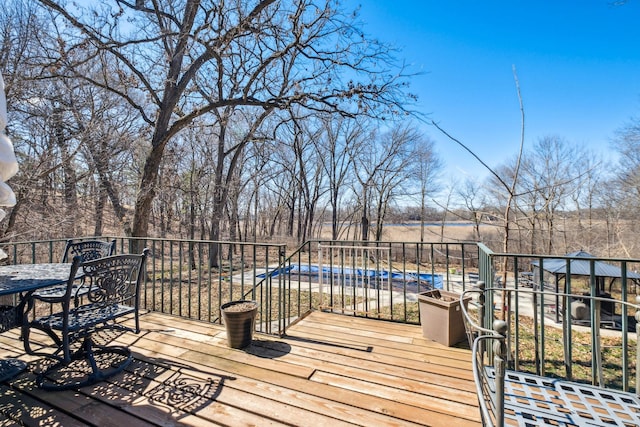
[410, 232]
[596, 236]
[451, 232]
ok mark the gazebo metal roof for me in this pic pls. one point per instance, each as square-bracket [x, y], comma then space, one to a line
[582, 267]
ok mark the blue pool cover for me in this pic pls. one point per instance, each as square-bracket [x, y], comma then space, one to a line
[435, 280]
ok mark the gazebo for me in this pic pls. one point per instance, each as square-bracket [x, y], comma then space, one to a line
[581, 265]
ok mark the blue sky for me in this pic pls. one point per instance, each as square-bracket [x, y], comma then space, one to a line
[578, 66]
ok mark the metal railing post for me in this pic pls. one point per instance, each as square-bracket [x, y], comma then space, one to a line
[637, 316]
[500, 366]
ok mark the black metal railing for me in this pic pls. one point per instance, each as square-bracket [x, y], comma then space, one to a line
[570, 317]
[193, 278]
[188, 278]
[376, 279]
[381, 280]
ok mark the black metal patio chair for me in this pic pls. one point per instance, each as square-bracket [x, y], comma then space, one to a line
[82, 354]
[87, 250]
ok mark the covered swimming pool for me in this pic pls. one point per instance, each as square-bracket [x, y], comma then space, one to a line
[374, 278]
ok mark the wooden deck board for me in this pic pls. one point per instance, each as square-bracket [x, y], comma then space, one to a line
[328, 370]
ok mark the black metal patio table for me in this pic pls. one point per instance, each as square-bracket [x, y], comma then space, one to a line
[23, 280]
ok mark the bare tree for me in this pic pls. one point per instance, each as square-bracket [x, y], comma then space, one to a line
[622, 198]
[474, 199]
[551, 172]
[427, 166]
[586, 200]
[382, 168]
[20, 29]
[174, 61]
[340, 137]
[310, 175]
[627, 144]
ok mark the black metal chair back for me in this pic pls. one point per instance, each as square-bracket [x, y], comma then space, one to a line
[88, 249]
[114, 281]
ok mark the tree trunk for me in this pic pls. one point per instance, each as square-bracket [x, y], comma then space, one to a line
[163, 130]
[69, 177]
[101, 201]
[334, 213]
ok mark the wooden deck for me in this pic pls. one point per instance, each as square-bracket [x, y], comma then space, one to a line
[329, 370]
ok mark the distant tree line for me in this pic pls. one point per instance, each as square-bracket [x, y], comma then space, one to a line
[566, 198]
